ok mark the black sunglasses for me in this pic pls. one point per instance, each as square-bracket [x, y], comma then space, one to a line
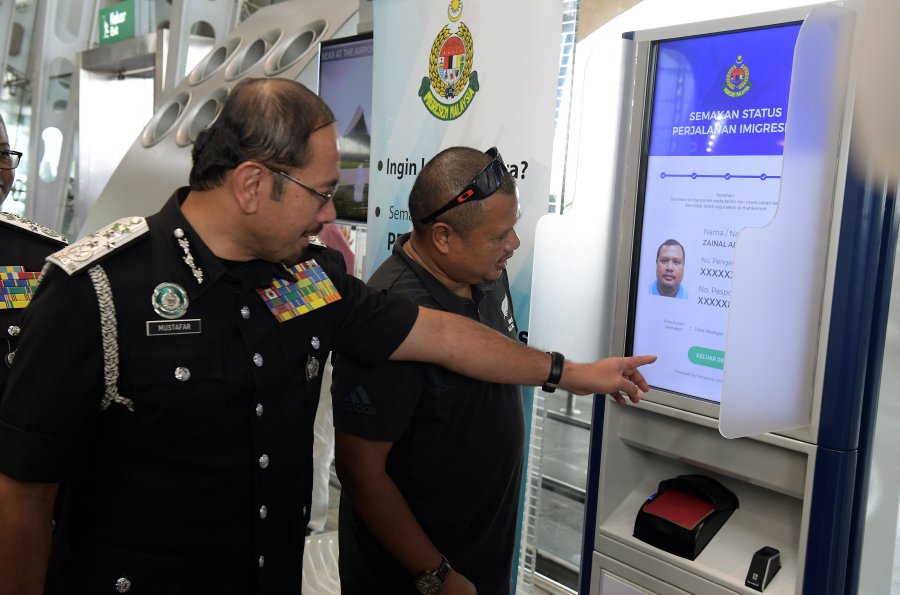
[485, 184]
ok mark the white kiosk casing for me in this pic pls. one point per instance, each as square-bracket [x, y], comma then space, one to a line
[670, 434]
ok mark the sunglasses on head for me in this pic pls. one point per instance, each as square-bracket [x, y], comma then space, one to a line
[485, 184]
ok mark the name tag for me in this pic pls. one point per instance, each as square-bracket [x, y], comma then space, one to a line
[186, 326]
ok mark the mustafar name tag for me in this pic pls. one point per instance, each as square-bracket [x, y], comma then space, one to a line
[187, 326]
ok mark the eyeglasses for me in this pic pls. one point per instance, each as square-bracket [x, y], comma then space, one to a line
[9, 159]
[485, 184]
[325, 196]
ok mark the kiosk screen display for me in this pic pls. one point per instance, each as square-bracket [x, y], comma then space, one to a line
[711, 166]
[345, 83]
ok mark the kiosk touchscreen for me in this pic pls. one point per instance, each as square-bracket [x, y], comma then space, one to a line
[711, 166]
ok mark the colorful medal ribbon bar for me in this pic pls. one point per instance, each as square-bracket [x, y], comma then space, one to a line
[311, 289]
[18, 287]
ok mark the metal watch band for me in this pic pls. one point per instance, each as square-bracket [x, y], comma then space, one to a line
[431, 582]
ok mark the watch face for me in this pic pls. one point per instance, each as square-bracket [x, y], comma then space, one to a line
[428, 583]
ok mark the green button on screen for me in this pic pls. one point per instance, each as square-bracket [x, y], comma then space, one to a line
[712, 358]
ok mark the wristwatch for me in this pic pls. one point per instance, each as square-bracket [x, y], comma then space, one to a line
[557, 360]
[432, 581]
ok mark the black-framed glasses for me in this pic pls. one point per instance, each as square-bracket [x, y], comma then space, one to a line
[9, 159]
[485, 184]
[325, 196]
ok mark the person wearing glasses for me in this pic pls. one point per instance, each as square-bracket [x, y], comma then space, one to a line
[430, 460]
[187, 351]
[23, 247]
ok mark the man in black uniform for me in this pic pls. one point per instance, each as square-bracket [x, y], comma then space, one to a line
[23, 247]
[432, 463]
[185, 352]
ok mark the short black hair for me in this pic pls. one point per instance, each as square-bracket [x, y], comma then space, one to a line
[670, 242]
[445, 176]
[266, 120]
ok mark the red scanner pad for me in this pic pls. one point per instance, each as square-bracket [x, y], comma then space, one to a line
[680, 508]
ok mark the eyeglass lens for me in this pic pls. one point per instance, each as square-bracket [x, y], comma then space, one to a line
[9, 159]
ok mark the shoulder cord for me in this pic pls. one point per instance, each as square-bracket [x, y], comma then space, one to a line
[110, 339]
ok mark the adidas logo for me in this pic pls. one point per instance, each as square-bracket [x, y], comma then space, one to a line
[357, 401]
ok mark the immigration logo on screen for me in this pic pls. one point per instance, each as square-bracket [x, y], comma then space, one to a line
[737, 81]
[451, 84]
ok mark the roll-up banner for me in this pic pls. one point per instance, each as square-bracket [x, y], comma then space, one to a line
[479, 73]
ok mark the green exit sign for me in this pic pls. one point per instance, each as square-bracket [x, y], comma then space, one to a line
[117, 22]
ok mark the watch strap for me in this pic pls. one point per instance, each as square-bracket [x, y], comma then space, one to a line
[557, 360]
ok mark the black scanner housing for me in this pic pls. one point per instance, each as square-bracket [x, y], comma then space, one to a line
[676, 539]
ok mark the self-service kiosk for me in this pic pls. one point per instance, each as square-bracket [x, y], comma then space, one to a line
[752, 260]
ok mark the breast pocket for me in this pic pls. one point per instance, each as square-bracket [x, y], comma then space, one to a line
[180, 390]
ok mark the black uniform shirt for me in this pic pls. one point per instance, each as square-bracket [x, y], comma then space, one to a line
[22, 244]
[205, 486]
[458, 445]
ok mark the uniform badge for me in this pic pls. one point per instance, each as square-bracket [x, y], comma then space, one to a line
[169, 300]
[312, 368]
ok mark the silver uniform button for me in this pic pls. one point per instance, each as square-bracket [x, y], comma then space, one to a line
[14, 331]
[262, 561]
[263, 461]
[182, 374]
[245, 312]
[178, 233]
[10, 357]
[315, 343]
[123, 585]
[259, 409]
[263, 511]
[258, 360]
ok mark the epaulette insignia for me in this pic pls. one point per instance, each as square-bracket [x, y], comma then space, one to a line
[316, 241]
[31, 226]
[95, 246]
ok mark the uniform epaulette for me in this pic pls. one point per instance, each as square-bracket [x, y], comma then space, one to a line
[28, 225]
[99, 244]
[316, 241]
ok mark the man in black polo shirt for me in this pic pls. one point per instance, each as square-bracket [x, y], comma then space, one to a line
[430, 461]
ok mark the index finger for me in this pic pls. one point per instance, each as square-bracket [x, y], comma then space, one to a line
[634, 361]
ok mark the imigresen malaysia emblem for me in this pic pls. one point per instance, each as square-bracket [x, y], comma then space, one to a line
[737, 81]
[451, 84]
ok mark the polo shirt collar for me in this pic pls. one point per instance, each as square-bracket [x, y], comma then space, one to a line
[448, 300]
